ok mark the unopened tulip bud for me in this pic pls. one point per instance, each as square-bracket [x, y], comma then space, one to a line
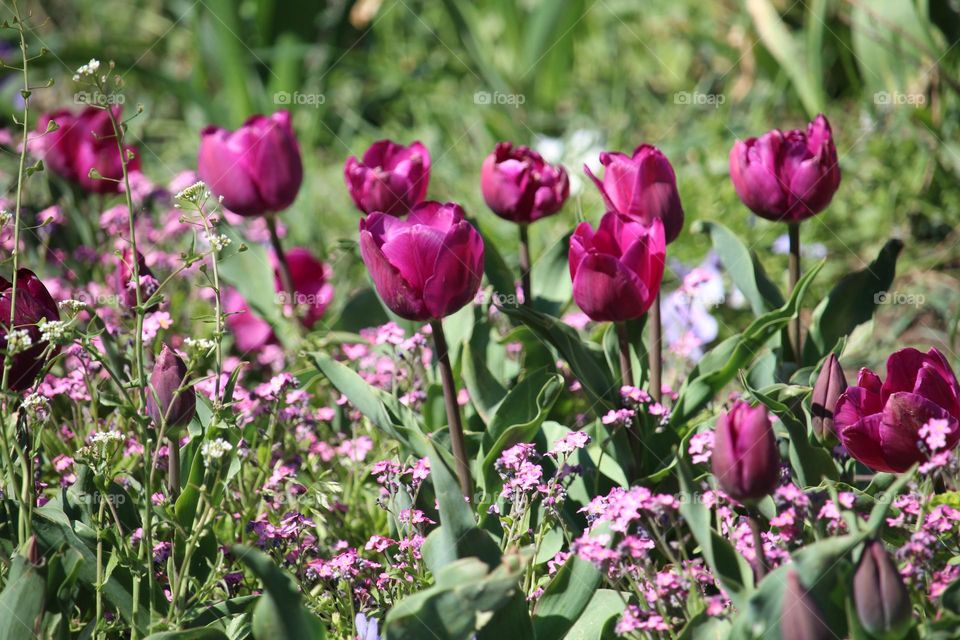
[831, 383]
[164, 404]
[746, 463]
[800, 615]
[882, 600]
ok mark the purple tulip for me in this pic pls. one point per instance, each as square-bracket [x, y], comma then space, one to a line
[881, 598]
[426, 266]
[746, 462]
[311, 284]
[879, 423]
[831, 383]
[391, 179]
[519, 186]
[789, 176]
[255, 169]
[124, 285]
[83, 141]
[642, 185]
[616, 271]
[34, 304]
[800, 615]
[164, 404]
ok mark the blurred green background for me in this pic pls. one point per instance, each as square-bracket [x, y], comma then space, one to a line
[571, 77]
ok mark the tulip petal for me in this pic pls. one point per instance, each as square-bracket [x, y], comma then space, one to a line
[457, 272]
[862, 441]
[399, 296]
[606, 290]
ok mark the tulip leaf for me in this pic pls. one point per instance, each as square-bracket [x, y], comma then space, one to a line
[743, 267]
[721, 364]
[586, 360]
[485, 390]
[280, 613]
[518, 418]
[566, 597]
[550, 274]
[203, 633]
[851, 303]
[595, 623]
[22, 601]
[732, 570]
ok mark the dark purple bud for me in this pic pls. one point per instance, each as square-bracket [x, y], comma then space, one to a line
[746, 462]
[800, 616]
[124, 285]
[831, 383]
[882, 600]
[164, 403]
[33, 305]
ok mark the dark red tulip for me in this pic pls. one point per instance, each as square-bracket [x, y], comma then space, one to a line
[426, 266]
[746, 463]
[800, 616]
[882, 600]
[311, 283]
[126, 288]
[167, 402]
[879, 424]
[787, 176]
[617, 269]
[518, 185]
[256, 169]
[33, 304]
[642, 185]
[831, 383]
[390, 179]
[83, 141]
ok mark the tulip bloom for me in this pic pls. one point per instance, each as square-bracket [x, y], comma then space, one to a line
[312, 289]
[391, 179]
[519, 186]
[33, 304]
[164, 404]
[256, 169]
[800, 615]
[123, 283]
[831, 383]
[746, 462]
[426, 266]
[789, 176]
[617, 269]
[642, 185]
[879, 423]
[881, 598]
[83, 141]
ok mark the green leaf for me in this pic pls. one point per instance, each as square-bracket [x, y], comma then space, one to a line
[518, 418]
[460, 603]
[595, 623]
[850, 303]
[586, 360]
[565, 598]
[279, 614]
[550, 275]
[729, 567]
[706, 627]
[719, 366]
[485, 390]
[743, 267]
[190, 634]
[21, 601]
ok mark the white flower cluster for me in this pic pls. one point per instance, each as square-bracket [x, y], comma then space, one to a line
[106, 438]
[88, 69]
[72, 305]
[195, 193]
[18, 341]
[217, 241]
[198, 346]
[5, 217]
[214, 450]
[35, 403]
[55, 331]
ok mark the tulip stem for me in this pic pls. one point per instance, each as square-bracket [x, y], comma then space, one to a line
[453, 409]
[173, 467]
[655, 350]
[626, 366]
[282, 265]
[761, 564]
[795, 328]
[525, 282]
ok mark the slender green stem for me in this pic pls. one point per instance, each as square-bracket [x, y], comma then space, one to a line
[761, 565]
[282, 265]
[455, 424]
[655, 350]
[795, 329]
[525, 278]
